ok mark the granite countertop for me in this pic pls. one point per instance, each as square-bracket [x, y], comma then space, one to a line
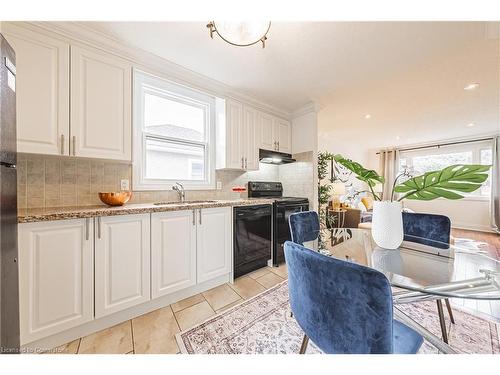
[31, 215]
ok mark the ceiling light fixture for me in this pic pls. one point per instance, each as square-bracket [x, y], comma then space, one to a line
[471, 86]
[240, 34]
[470, 125]
[368, 116]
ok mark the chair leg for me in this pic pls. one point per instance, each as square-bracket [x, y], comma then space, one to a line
[450, 312]
[303, 347]
[442, 321]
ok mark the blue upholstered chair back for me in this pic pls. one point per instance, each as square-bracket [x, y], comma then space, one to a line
[427, 229]
[304, 226]
[343, 307]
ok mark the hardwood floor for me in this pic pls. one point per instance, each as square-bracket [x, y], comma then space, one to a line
[489, 242]
[486, 241]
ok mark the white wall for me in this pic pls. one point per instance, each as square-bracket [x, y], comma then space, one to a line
[305, 132]
[305, 150]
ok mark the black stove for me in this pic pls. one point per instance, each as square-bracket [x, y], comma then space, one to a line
[283, 207]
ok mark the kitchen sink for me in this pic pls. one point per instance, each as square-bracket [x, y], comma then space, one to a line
[185, 202]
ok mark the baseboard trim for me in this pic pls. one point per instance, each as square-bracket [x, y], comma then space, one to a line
[111, 320]
[477, 228]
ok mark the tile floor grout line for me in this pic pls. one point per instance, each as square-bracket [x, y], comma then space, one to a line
[132, 334]
[78, 347]
[282, 279]
[175, 318]
[227, 304]
[187, 307]
[236, 292]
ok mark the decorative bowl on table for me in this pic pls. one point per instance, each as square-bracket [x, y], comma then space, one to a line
[118, 198]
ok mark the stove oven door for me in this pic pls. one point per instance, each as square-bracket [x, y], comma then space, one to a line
[281, 228]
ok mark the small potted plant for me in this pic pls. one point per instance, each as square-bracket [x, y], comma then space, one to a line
[448, 183]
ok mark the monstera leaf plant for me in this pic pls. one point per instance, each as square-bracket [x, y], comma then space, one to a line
[447, 183]
[387, 221]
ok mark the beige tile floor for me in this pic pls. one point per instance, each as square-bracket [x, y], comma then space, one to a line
[155, 332]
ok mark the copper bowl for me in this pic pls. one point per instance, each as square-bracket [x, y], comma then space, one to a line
[115, 198]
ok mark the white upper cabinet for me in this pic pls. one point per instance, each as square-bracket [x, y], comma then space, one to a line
[173, 251]
[214, 243]
[234, 128]
[122, 262]
[249, 139]
[283, 135]
[266, 123]
[237, 136]
[42, 91]
[56, 271]
[275, 133]
[100, 105]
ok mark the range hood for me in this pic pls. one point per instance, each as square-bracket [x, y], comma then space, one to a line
[274, 157]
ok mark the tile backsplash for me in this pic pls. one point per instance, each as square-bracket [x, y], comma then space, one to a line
[298, 178]
[58, 181]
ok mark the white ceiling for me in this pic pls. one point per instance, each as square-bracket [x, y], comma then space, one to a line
[304, 61]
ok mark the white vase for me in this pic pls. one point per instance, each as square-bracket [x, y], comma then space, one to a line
[387, 224]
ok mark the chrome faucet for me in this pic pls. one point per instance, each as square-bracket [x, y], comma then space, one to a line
[180, 190]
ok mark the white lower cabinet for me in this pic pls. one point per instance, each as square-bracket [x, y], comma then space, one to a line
[173, 251]
[56, 269]
[122, 262]
[213, 243]
[74, 271]
[189, 247]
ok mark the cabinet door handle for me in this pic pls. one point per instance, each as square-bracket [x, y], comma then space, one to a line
[99, 227]
[242, 162]
[199, 220]
[62, 144]
[74, 145]
[87, 228]
[194, 217]
[278, 145]
[246, 164]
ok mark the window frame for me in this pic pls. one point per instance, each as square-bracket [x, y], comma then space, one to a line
[159, 86]
[475, 147]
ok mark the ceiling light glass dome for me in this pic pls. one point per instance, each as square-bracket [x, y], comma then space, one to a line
[241, 33]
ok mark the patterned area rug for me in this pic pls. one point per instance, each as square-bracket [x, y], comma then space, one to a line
[262, 325]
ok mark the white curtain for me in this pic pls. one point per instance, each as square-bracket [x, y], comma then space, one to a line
[389, 168]
[495, 186]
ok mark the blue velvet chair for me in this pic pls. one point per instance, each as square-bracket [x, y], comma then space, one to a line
[431, 230]
[344, 307]
[304, 226]
[427, 229]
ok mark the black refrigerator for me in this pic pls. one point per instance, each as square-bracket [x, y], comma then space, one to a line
[9, 284]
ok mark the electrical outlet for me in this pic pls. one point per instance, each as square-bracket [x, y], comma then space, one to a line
[219, 185]
[124, 185]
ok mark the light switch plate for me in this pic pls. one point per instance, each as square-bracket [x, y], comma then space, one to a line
[219, 185]
[124, 185]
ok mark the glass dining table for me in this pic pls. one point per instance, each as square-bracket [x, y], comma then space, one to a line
[419, 270]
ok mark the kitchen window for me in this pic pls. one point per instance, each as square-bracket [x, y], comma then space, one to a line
[434, 158]
[173, 135]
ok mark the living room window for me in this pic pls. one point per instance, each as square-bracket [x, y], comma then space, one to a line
[173, 135]
[433, 158]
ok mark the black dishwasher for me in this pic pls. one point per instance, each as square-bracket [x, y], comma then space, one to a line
[252, 238]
